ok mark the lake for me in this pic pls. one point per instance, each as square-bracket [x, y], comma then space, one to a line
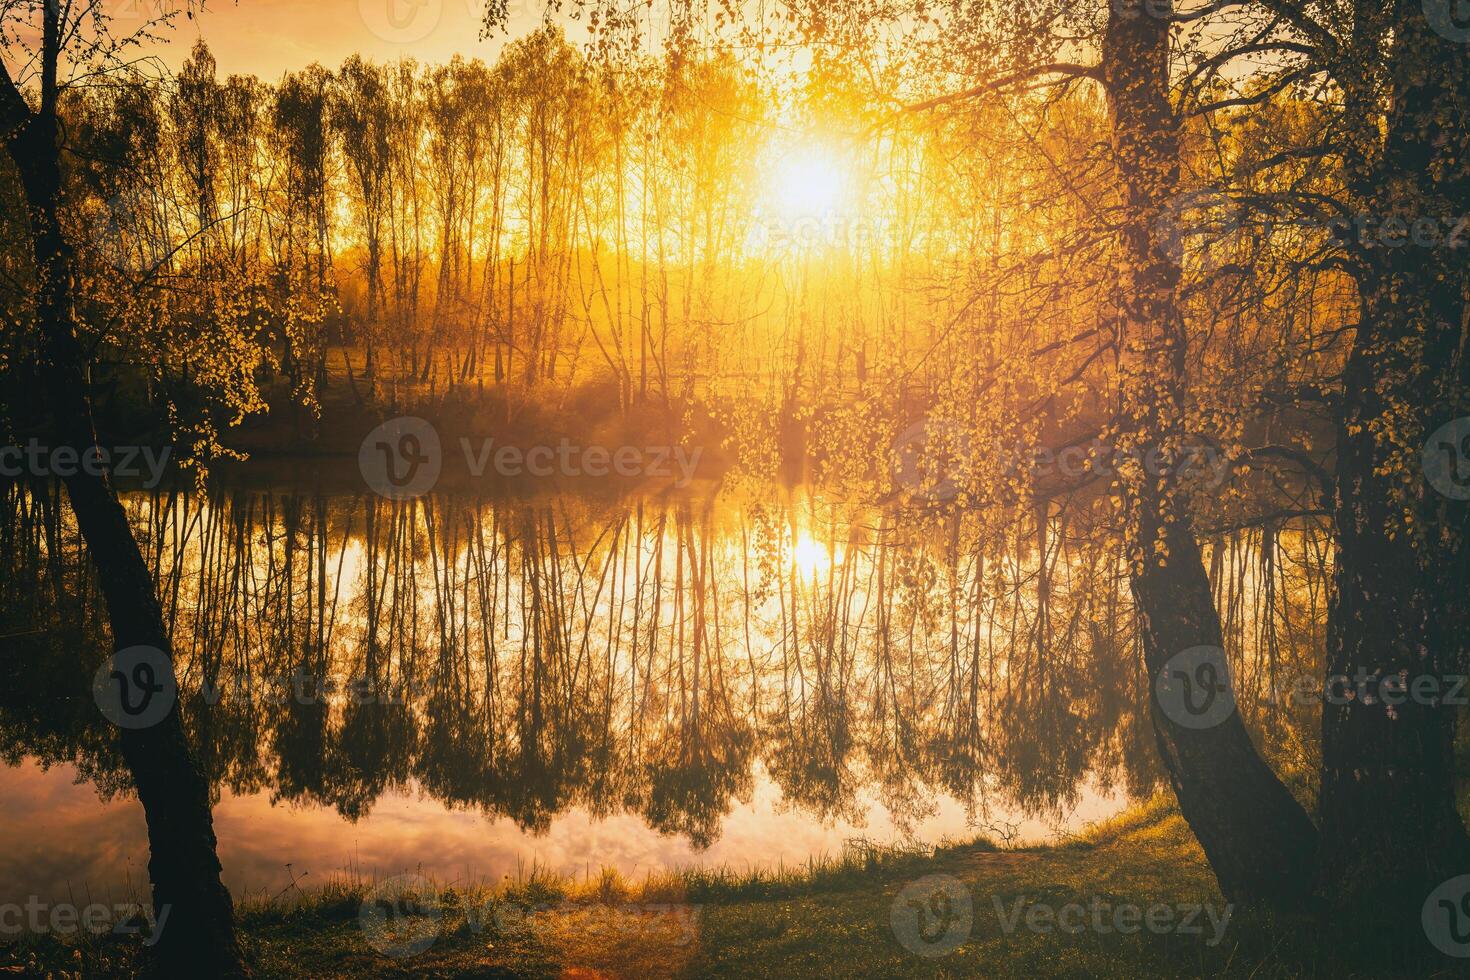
[470, 682]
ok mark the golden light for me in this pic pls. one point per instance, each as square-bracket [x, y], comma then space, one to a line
[808, 556]
[808, 181]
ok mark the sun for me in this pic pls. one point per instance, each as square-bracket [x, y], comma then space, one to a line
[808, 181]
[808, 556]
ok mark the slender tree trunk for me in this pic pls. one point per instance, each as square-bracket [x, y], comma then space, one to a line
[198, 937]
[1258, 839]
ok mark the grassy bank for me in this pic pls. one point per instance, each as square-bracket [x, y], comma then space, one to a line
[850, 916]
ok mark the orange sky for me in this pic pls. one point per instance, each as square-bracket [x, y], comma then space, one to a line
[267, 37]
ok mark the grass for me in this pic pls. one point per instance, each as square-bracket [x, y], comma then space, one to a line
[843, 916]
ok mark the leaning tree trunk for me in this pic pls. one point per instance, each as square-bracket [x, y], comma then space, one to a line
[1391, 833]
[1257, 838]
[198, 937]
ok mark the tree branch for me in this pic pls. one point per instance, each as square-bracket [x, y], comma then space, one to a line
[1066, 69]
[1203, 12]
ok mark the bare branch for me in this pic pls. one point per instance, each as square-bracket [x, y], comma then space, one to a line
[1065, 69]
[1190, 16]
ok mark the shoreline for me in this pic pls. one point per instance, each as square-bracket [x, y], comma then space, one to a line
[852, 915]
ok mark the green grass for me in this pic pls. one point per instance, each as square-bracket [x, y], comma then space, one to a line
[827, 918]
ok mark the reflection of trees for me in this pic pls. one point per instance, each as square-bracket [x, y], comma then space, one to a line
[700, 750]
[525, 657]
[1063, 676]
[809, 727]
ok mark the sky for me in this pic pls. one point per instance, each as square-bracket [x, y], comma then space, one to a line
[269, 37]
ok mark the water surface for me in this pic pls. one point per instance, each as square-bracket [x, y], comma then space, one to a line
[466, 683]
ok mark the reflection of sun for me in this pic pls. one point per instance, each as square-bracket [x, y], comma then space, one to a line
[809, 556]
[808, 181]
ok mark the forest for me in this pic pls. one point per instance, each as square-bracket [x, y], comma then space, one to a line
[990, 410]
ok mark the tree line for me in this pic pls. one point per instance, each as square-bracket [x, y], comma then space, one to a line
[1136, 225]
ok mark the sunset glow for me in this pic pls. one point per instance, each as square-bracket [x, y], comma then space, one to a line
[809, 181]
[731, 474]
[808, 556]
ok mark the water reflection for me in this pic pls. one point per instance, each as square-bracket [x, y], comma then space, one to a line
[655, 657]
